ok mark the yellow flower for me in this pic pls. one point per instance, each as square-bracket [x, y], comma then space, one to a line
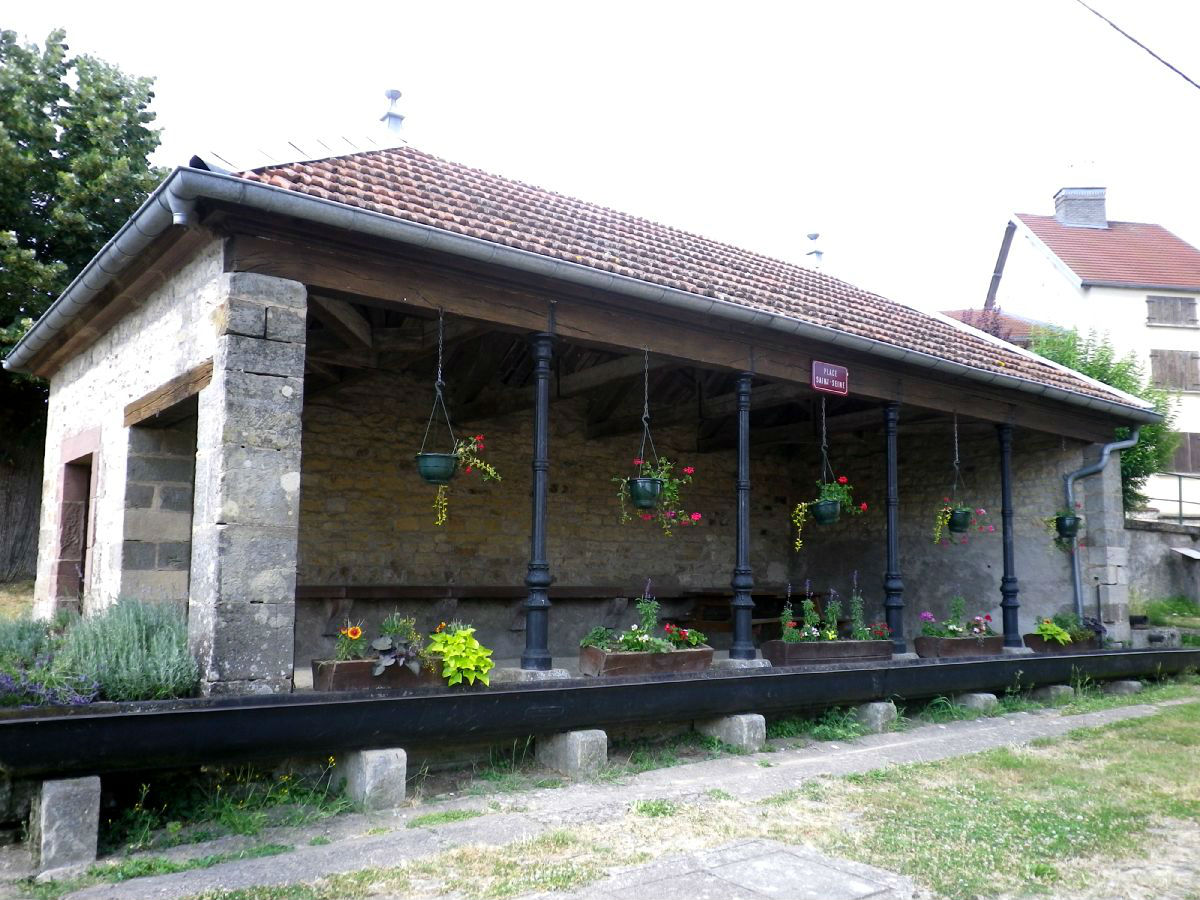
[354, 633]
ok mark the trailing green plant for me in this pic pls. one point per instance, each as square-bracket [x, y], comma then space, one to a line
[351, 642]
[461, 654]
[1048, 630]
[670, 511]
[839, 490]
[132, 651]
[980, 522]
[468, 451]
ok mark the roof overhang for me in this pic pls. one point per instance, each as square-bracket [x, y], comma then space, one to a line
[173, 203]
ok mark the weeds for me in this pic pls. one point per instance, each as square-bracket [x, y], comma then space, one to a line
[432, 820]
[834, 724]
[655, 808]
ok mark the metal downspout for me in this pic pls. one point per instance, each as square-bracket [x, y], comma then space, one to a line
[1069, 485]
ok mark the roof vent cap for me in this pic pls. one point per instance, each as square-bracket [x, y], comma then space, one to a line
[393, 119]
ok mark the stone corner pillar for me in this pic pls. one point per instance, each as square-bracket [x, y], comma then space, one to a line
[241, 608]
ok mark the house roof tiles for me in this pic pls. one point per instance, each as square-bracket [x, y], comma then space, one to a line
[415, 186]
[1129, 254]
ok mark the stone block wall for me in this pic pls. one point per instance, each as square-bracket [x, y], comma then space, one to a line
[1155, 569]
[934, 573]
[169, 332]
[160, 472]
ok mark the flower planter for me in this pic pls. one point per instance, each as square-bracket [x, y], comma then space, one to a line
[355, 675]
[1066, 526]
[437, 468]
[825, 512]
[645, 493]
[1039, 644]
[960, 520]
[935, 648]
[594, 661]
[784, 653]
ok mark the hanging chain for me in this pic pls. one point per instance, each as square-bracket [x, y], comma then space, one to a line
[957, 477]
[826, 468]
[646, 436]
[438, 399]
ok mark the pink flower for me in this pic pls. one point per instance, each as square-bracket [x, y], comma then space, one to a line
[646, 517]
[637, 462]
[927, 616]
[862, 507]
[981, 512]
[991, 528]
[671, 513]
[467, 470]
[842, 479]
[696, 517]
[963, 541]
[688, 470]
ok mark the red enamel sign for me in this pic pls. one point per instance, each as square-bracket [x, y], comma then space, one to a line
[830, 379]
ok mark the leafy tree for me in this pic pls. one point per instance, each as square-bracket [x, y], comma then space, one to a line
[1095, 356]
[75, 138]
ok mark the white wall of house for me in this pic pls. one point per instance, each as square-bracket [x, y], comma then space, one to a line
[1038, 285]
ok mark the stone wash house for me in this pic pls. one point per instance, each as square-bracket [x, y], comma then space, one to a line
[1137, 283]
[240, 379]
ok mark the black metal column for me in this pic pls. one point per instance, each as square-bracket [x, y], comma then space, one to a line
[537, 578]
[893, 586]
[743, 580]
[1008, 582]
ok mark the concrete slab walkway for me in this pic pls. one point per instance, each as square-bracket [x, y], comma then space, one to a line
[355, 841]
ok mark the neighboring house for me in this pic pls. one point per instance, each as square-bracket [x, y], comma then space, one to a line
[1134, 281]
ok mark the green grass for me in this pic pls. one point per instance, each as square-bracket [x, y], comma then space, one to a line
[834, 724]
[642, 755]
[143, 867]
[1012, 820]
[1090, 698]
[1190, 640]
[431, 820]
[655, 808]
[1174, 611]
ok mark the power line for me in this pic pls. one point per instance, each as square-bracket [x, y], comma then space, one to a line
[1126, 34]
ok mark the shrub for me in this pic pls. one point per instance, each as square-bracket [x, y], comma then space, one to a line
[133, 651]
[41, 685]
[23, 641]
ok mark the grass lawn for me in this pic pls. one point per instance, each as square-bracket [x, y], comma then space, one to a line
[16, 599]
[1043, 819]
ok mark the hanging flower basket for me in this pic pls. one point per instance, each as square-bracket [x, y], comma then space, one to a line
[437, 468]
[825, 512]
[645, 493]
[1067, 526]
[960, 520]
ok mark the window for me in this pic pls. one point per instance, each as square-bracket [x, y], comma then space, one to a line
[1187, 457]
[1171, 311]
[1175, 370]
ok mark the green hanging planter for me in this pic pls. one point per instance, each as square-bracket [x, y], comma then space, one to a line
[825, 512]
[436, 468]
[644, 493]
[960, 520]
[1066, 526]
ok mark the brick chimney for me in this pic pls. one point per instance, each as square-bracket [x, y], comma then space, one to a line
[1082, 207]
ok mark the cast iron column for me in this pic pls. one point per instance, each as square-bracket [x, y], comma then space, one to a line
[1008, 583]
[893, 587]
[743, 581]
[537, 578]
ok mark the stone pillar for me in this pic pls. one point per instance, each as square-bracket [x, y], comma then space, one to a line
[241, 611]
[1106, 554]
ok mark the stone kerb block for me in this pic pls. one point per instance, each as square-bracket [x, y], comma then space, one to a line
[746, 732]
[876, 718]
[1053, 694]
[981, 702]
[1122, 688]
[64, 823]
[375, 779]
[573, 753]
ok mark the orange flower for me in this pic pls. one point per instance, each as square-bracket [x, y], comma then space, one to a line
[341, 631]
[354, 632]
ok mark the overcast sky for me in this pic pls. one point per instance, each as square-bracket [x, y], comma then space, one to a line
[905, 133]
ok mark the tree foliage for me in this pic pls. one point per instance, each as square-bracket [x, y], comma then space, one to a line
[75, 141]
[1095, 356]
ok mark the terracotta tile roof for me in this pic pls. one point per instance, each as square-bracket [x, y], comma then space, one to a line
[421, 188]
[1134, 254]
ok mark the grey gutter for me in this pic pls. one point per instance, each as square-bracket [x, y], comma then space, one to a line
[174, 202]
[1001, 260]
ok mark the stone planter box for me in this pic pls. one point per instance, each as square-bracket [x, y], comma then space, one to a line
[1039, 644]
[355, 675]
[594, 661]
[935, 648]
[804, 653]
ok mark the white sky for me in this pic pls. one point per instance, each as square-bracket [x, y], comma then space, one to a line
[904, 132]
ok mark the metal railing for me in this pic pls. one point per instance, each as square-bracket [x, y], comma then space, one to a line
[1179, 501]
